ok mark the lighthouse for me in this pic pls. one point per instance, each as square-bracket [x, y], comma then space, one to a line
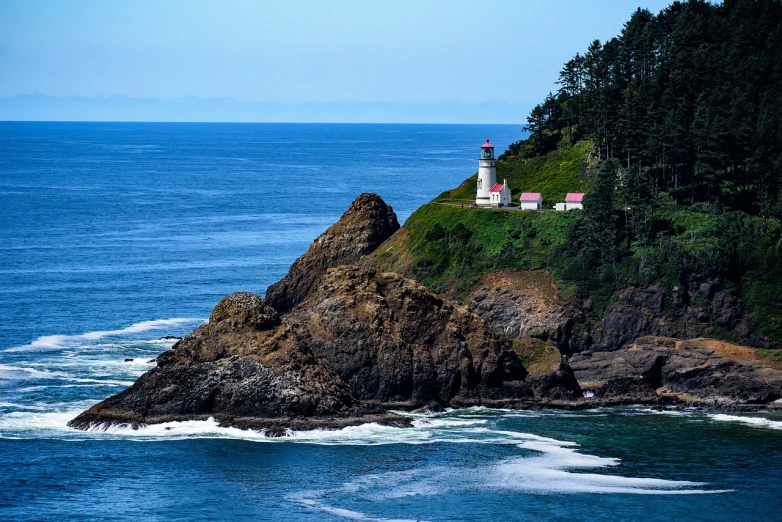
[487, 176]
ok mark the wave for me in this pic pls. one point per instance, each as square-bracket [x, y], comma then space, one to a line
[758, 422]
[552, 472]
[543, 465]
[49, 342]
[14, 373]
[546, 466]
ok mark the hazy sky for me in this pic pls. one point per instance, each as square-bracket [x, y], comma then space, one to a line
[291, 51]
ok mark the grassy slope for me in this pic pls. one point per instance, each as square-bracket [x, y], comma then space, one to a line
[498, 239]
[553, 175]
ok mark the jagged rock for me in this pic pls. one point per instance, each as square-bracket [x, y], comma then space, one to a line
[393, 340]
[690, 370]
[362, 228]
[244, 367]
[549, 372]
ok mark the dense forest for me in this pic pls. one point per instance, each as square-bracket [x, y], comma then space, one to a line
[688, 102]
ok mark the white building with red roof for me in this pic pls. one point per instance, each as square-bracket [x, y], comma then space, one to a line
[574, 200]
[500, 194]
[531, 201]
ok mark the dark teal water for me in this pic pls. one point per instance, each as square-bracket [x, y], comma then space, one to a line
[113, 235]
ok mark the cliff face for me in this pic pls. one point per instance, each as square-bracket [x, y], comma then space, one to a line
[640, 312]
[367, 223]
[393, 340]
[525, 304]
[358, 338]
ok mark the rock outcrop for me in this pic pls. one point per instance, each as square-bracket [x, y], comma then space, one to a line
[394, 341]
[360, 343]
[367, 223]
[525, 304]
[246, 368]
[549, 374]
[697, 371]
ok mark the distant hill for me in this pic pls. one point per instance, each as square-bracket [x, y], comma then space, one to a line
[42, 107]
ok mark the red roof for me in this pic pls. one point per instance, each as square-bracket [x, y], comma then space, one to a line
[497, 187]
[530, 196]
[487, 145]
[574, 197]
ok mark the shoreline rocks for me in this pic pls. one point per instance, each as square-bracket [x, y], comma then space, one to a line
[686, 371]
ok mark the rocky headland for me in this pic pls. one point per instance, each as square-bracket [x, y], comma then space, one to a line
[341, 341]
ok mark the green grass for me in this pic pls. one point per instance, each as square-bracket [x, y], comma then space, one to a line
[469, 243]
[553, 175]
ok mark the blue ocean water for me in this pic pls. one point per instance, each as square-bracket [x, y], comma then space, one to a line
[114, 235]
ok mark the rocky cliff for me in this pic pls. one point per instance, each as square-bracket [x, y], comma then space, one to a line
[246, 368]
[357, 341]
[652, 311]
[394, 341]
[525, 304]
[367, 223]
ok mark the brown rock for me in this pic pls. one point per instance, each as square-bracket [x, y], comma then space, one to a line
[244, 364]
[362, 228]
[701, 370]
[525, 304]
[393, 340]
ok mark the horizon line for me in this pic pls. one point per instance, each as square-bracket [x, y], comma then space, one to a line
[258, 122]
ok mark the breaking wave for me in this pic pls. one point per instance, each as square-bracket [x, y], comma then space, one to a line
[758, 422]
[49, 342]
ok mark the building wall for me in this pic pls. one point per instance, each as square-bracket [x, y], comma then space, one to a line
[573, 206]
[487, 176]
[530, 205]
[505, 196]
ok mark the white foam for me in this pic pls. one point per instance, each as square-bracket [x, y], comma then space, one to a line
[758, 422]
[344, 513]
[11, 373]
[26, 424]
[22, 406]
[550, 466]
[14, 373]
[49, 342]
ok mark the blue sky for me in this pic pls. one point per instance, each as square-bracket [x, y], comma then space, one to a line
[504, 53]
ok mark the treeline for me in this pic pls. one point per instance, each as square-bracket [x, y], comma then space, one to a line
[688, 100]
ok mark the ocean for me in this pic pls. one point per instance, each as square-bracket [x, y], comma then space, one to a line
[116, 235]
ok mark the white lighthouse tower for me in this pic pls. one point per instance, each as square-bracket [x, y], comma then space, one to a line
[487, 175]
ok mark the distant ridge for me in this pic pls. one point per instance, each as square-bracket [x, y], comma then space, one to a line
[113, 107]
